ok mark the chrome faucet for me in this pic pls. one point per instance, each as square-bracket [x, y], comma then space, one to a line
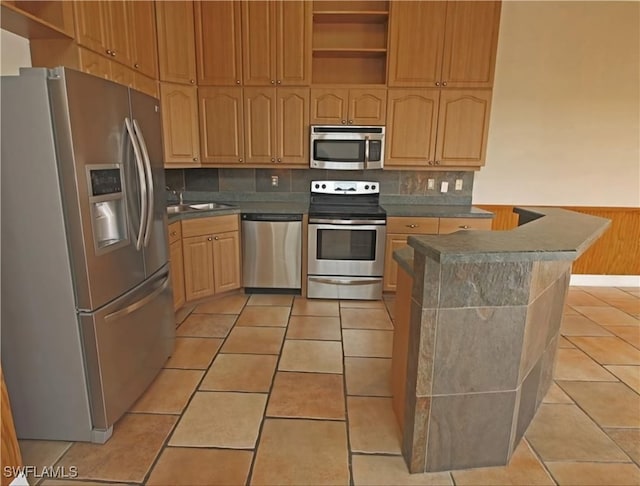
[177, 194]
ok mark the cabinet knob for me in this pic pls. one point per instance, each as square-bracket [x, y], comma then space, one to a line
[437, 83]
[273, 82]
[437, 162]
[412, 225]
[209, 239]
[464, 226]
[273, 160]
[216, 238]
[113, 53]
[350, 122]
[279, 82]
[279, 159]
[444, 83]
[344, 122]
[237, 81]
[173, 233]
[195, 159]
[192, 81]
[109, 51]
[240, 159]
[136, 65]
[430, 162]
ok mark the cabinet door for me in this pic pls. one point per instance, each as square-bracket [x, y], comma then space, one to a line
[416, 36]
[177, 274]
[176, 42]
[329, 106]
[95, 64]
[122, 74]
[292, 126]
[293, 43]
[179, 124]
[143, 36]
[259, 43]
[218, 43]
[146, 84]
[226, 261]
[260, 125]
[367, 106]
[412, 116]
[394, 242]
[119, 33]
[198, 267]
[463, 125]
[92, 25]
[470, 44]
[221, 125]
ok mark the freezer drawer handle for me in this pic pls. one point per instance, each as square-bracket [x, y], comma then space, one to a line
[337, 281]
[140, 303]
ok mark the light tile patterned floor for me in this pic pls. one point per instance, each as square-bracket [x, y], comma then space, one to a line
[276, 390]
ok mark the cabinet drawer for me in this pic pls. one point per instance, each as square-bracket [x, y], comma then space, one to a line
[451, 225]
[175, 232]
[208, 226]
[412, 225]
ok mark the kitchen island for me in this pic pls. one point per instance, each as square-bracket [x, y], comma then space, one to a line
[477, 326]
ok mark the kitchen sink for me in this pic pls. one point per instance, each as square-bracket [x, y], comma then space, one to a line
[185, 208]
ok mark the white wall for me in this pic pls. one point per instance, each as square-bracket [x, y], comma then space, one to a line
[565, 122]
[14, 53]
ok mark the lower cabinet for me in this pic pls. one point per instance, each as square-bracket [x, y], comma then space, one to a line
[399, 228]
[211, 251]
[176, 264]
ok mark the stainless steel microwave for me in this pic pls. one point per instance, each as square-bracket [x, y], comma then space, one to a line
[346, 147]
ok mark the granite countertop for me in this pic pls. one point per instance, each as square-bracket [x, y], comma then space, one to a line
[436, 211]
[548, 234]
[277, 207]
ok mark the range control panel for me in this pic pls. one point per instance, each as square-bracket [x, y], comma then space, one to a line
[345, 187]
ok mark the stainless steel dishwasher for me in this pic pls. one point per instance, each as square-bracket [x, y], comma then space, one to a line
[271, 252]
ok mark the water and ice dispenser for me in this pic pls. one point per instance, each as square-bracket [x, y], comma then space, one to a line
[108, 207]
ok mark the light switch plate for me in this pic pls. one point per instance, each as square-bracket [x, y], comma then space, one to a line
[431, 184]
[444, 187]
[458, 184]
[274, 181]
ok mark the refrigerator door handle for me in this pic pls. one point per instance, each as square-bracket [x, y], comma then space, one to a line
[140, 303]
[147, 164]
[143, 184]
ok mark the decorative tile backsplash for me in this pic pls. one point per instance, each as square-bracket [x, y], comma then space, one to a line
[398, 185]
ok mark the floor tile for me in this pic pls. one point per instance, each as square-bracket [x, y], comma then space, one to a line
[607, 316]
[169, 392]
[630, 305]
[594, 474]
[41, 453]
[608, 350]
[206, 325]
[296, 452]
[365, 319]
[221, 419]
[270, 299]
[565, 343]
[127, 455]
[556, 395]
[307, 395]
[240, 372]
[75, 482]
[232, 304]
[606, 294]
[368, 376]
[315, 307]
[573, 364]
[635, 291]
[630, 334]
[272, 316]
[314, 327]
[385, 437]
[608, 404]
[254, 340]
[566, 433]
[362, 304]
[577, 297]
[193, 353]
[524, 469]
[578, 325]
[364, 343]
[630, 375]
[312, 356]
[371, 470]
[194, 467]
[628, 440]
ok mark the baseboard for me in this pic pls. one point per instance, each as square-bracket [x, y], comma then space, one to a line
[605, 280]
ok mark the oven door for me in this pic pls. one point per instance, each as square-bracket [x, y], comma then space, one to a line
[346, 247]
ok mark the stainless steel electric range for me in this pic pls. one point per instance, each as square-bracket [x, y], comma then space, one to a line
[346, 244]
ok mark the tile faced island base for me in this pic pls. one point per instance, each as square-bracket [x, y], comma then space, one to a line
[475, 353]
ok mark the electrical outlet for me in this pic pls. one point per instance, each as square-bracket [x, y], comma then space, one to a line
[458, 184]
[444, 186]
[275, 181]
[431, 184]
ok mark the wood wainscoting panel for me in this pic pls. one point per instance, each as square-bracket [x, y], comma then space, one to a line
[617, 252]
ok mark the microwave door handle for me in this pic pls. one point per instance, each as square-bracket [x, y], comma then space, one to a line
[143, 183]
[149, 180]
[366, 152]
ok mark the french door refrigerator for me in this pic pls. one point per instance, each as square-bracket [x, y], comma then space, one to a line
[87, 308]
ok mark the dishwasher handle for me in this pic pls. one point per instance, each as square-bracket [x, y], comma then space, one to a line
[271, 217]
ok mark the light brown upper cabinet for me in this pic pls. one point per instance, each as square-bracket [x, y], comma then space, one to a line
[221, 125]
[180, 125]
[443, 44]
[176, 42]
[276, 43]
[437, 127]
[145, 45]
[276, 126]
[218, 43]
[353, 106]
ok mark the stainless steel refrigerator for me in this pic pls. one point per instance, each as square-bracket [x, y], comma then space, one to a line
[87, 309]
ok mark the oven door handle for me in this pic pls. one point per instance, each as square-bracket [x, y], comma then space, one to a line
[347, 222]
[336, 281]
